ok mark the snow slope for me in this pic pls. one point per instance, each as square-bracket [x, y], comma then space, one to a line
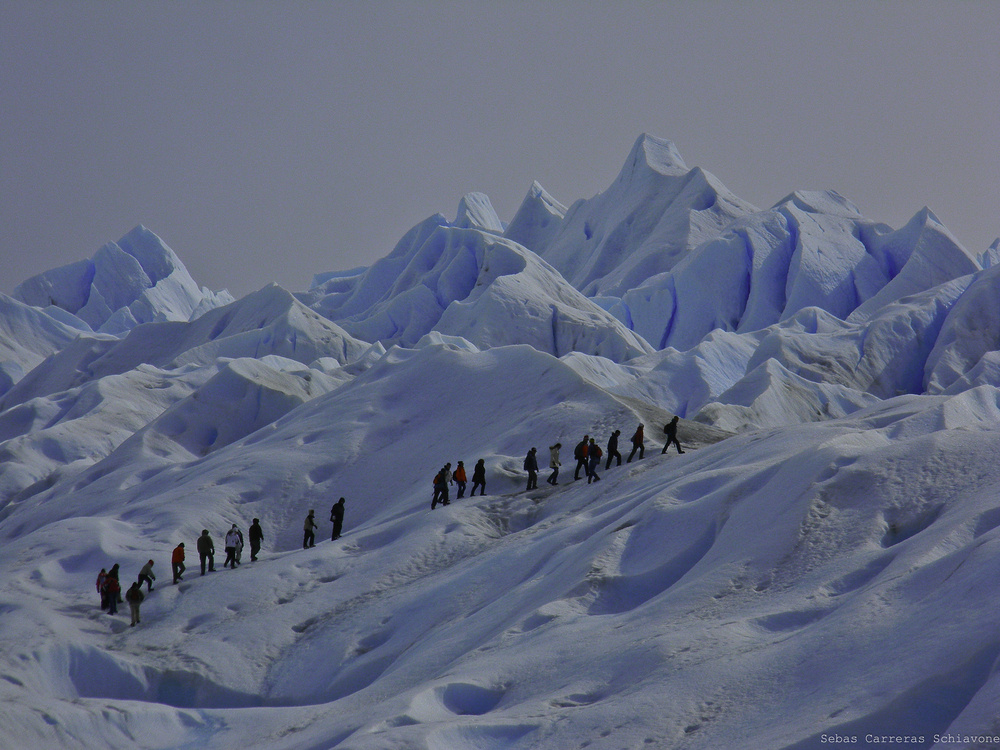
[28, 336]
[819, 567]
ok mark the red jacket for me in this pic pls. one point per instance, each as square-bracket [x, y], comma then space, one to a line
[637, 437]
[178, 554]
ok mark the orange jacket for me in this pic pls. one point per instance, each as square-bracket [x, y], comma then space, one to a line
[178, 554]
[459, 474]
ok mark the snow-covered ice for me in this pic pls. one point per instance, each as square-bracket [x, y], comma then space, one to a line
[819, 568]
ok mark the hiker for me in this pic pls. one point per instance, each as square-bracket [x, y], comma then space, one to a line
[113, 590]
[146, 574]
[239, 546]
[479, 478]
[177, 562]
[671, 431]
[309, 530]
[101, 577]
[531, 466]
[134, 597]
[460, 479]
[232, 539]
[256, 537]
[580, 454]
[613, 449]
[594, 457]
[440, 487]
[206, 551]
[337, 516]
[554, 464]
[637, 444]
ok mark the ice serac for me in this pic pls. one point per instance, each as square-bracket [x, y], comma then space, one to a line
[139, 279]
[477, 284]
[921, 255]
[476, 212]
[969, 340]
[537, 221]
[654, 213]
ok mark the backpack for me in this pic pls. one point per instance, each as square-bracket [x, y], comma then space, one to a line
[597, 451]
[437, 479]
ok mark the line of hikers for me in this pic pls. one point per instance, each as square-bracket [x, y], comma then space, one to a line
[458, 477]
[310, 526]
[588, 455]
[109, 586]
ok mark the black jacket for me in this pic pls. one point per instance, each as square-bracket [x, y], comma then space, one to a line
[205, 545]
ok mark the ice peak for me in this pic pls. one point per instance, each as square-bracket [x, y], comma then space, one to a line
[476, 212]
[653, 154]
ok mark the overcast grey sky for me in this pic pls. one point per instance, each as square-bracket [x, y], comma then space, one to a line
[271, 141]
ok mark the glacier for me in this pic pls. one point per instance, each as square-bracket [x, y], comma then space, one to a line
[819, 567]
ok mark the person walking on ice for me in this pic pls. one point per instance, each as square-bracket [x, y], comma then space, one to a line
[460, 479]
[441, 487]
[613, 449]
[554, 464]
[309, 530]
[134, 597]
[232, 541]
[594, 459]
[112, 591]
[531, 466]
[637, 444]
[256, 537]
[671, 431]
[146, 575]
[580, 454]
[239, 546]
[206, 551]
[101, 589]
[177, 562]
[479, 478]
[337, 516]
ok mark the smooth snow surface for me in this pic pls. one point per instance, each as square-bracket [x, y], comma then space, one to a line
[819, 568]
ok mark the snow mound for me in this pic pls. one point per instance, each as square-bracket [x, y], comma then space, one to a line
[136, 280]
[27, 337]
[269, 321]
